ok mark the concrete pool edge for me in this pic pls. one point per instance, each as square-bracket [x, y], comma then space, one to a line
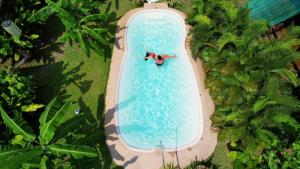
[195, 84]
[129, 158]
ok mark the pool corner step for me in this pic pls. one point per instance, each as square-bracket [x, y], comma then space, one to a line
[155, 5]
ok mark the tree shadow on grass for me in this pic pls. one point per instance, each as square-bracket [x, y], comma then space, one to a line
[94, 135]
[48, 41]
[52, 80]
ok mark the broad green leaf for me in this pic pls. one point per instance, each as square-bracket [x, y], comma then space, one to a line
[67, 36]
[54, 119]
[66, 17]
[53, 106]
[220, 157]
[50, 119]
[69, 126]
[83, 45]
[43, 163]
[18, 126]
[32, 107]
[95, 17]
[76, 151]
[41, 15]
[25, 156]
[8, 151]
[232, 155]
[18, 140]
[16, 57]
[34, 36]
[94, 35]
[30, 165]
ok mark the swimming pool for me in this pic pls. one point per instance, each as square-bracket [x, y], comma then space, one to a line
[157, 104]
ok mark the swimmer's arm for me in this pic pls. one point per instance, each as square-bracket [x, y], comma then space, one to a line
[167, 56]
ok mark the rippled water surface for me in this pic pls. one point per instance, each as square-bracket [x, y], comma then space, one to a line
[157, 103]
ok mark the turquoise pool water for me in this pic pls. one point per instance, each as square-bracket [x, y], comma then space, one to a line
[157, 103]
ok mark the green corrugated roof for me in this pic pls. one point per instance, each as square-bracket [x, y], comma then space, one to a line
[274, 11]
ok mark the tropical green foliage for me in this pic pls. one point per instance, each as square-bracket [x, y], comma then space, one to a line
[82, 20]
[48, 151]
[19, 46]
[283, 156]
[174, 3]
[250, 79]
[17, 92]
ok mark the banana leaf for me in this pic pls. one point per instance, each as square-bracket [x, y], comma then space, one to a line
[50, 119]
[18, 126]
[42, 15]
[94, 34]
[16, 157]
[76, 151]
[99, 17]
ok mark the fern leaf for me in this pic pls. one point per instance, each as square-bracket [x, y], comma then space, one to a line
[203, 20]
[18, 126]
[261, 103]
[285, 119]
[231, 10]
[266, 135]
[76, 151]
[287, 101]
[288, 75]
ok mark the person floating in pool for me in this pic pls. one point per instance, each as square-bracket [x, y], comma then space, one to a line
[159, 59]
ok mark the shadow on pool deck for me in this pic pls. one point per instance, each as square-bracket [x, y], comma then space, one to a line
[111, 130]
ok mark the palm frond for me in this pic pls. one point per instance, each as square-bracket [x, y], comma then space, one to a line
[226, 39]
[287, 75]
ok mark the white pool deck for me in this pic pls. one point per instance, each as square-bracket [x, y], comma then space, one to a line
[132, 159]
